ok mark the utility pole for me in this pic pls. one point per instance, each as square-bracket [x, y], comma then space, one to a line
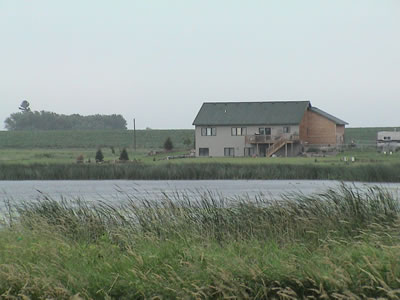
[134, 134]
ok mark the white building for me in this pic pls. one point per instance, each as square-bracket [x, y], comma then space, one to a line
[388, 140]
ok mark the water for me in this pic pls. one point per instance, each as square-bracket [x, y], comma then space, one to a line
[118, 191]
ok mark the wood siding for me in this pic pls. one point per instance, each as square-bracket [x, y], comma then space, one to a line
[318, 130]
[340, 134]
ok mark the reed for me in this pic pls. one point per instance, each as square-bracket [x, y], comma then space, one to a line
[342, 243]
[216, 170]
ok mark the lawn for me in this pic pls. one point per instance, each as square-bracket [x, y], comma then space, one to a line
[69, 155]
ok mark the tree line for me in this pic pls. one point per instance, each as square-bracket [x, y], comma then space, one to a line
[45, 120]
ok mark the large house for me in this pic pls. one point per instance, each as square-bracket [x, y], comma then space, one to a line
[280, 128]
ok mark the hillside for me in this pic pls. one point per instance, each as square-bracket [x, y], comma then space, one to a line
[145, 139]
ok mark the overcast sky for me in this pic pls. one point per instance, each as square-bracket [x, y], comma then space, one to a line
[158, 61]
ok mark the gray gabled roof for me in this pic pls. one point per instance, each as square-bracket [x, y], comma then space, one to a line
[328, 116]
[251, 113]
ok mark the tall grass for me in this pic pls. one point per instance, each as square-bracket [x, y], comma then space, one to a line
[341, 244]
[169, 171]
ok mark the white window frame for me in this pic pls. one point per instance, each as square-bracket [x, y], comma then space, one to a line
[263, 130]
[238, 131]
[208, 131]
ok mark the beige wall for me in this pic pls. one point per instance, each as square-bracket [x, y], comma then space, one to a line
[224, 139]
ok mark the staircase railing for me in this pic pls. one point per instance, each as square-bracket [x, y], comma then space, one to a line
[276, 146]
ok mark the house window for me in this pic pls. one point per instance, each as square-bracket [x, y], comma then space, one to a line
[204, 152]
[286, 129]
[249, 151]
[208, 131]
[264, 131]
[387, 138]
[229, 152]
[238, 131]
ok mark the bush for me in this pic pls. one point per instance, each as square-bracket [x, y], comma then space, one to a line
[124, 155]
[168, 144]
[99, 156]
[312, 150]
[79, 159]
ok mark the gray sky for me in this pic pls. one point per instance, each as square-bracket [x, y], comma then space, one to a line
[158, 61]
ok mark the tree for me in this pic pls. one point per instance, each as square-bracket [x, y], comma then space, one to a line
[124, 155]
[187, 142]
[168, 144]
[45, 120]
[99, 156]
[25, 106]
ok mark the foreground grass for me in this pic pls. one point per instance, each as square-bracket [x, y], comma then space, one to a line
[340, 244]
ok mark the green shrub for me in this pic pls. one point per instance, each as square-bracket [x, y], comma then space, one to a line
[168, 144]
[99, 156]
[124, 155]
[312, 150]
[79, 159]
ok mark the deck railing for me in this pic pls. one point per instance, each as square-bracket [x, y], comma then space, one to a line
[268, 139]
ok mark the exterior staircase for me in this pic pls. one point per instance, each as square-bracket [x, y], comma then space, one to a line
[276, 146]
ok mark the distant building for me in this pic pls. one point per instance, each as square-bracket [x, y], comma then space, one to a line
[263, 128]
[388, 140]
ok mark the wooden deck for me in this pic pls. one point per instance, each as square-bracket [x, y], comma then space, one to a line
[274, 144]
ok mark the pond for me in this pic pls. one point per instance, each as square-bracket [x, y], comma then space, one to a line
[120, 190]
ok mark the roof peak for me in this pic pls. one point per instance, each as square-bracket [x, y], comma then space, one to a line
[252, 102]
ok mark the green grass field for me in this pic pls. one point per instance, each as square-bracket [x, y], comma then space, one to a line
[145, 139]
[340, 244]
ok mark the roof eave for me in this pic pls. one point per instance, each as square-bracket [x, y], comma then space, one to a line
[328, 116]
[252, 124]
